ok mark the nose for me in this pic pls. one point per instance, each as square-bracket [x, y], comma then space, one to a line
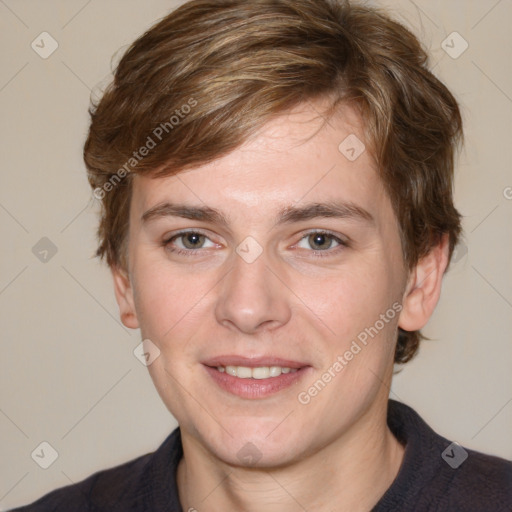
[252, 297]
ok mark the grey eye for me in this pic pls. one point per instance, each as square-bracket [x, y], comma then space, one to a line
[318, 241]
[192, 240]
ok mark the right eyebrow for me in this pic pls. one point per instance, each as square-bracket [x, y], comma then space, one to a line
[201, 213]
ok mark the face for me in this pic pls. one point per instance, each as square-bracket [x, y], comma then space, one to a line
[283, 254]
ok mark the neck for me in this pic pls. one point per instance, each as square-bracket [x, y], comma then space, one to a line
[353, 472]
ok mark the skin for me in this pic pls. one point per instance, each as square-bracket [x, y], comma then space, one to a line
[296, 301]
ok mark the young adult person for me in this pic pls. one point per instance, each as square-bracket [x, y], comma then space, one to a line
[277, 212]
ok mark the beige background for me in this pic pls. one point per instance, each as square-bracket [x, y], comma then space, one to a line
[68, 375]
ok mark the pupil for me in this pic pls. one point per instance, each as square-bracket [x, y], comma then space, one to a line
[192, 240]
[320, 240]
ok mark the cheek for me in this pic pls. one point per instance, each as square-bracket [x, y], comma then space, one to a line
[352, 302]
[165, 298]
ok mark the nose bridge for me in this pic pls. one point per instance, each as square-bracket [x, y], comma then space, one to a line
[251, 296]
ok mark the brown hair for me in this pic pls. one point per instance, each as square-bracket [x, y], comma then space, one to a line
[203, 79]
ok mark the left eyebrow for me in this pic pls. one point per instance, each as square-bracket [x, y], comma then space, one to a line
[339, 210]
[287, 215]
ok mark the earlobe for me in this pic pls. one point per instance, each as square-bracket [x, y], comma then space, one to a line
[124, 296]
[424, 287]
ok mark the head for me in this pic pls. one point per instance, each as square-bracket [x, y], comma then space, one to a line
[243, 113]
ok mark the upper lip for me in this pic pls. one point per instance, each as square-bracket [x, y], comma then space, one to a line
[252, 362]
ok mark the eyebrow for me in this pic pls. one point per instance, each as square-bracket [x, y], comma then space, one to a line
[287, 215]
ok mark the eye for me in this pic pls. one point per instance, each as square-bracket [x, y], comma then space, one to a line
[320, 241]
[187, 242]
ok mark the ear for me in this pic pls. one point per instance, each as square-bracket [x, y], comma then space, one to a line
[424, 287]
[124, 296]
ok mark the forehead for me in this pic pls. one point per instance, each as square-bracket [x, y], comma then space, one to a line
[299, 156]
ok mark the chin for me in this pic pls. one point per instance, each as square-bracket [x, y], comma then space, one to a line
[258, 454]
[253, 443]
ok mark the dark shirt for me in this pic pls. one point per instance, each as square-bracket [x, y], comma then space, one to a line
[434, 476]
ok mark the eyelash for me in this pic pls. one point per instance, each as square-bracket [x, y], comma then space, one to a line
[317, 254]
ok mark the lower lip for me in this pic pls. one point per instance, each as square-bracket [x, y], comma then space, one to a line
[255, 388]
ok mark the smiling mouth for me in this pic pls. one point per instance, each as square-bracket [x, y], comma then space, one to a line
[259, 372]
[256, 376]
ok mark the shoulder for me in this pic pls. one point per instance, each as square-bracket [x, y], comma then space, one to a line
[127, 487]
[97, 492]
[480, 481]
[441, 475]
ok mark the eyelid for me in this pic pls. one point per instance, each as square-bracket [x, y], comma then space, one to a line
[168, 238]
[343, 240]
[343, 243]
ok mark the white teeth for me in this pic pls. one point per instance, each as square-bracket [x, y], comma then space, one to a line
[231, 370]
[275, 371]
[261, 372]
[243, 372]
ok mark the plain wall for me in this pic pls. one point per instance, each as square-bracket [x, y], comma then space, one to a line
[68, 375]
